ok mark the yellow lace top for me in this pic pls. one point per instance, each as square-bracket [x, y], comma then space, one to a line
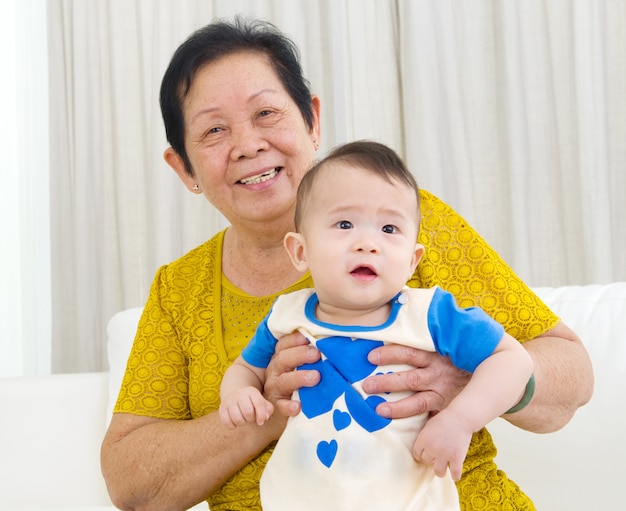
[195, 323]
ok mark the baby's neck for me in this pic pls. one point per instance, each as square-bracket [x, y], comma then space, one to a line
[353, 317]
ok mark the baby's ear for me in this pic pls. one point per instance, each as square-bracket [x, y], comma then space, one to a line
[294, 244]
[417, 256]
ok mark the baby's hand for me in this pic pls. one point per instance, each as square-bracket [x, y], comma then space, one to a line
[245, 405]
[443, 443]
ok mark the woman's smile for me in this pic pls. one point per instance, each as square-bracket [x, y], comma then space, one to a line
[260, 178]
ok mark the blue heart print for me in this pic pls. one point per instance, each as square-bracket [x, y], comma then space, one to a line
[349, 356]
[321, 398]
[346, 363]
[326, 452]
[363, 411]
[341, 420]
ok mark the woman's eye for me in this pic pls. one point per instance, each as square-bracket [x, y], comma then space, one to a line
[344, 224]
[213, 130]
[390, 229]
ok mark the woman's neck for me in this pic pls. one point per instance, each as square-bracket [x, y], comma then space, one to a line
[257, 264]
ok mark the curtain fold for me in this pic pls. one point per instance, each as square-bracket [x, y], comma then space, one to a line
[513, 112]
[25, 304]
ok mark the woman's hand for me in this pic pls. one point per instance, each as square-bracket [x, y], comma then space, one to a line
[435, 381]
[281, 378]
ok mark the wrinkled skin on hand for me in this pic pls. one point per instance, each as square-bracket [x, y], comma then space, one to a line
[281, 378]
[435, 381]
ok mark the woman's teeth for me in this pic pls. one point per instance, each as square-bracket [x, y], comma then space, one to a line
[261, 177]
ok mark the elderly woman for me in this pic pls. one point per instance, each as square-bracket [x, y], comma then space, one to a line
[244, 128]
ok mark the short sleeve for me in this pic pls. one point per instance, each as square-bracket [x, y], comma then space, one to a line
[260, 349]
[156, 380]
[467, 336]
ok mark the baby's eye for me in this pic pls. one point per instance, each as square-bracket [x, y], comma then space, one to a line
[390, 229]
[344, 224]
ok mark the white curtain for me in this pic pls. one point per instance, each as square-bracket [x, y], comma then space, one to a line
[25, 305]
[512, 111]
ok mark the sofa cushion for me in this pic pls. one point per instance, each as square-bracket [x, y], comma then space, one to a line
[50, 438]
[581, 466]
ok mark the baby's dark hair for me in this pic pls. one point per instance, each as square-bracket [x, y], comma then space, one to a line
[371, 156]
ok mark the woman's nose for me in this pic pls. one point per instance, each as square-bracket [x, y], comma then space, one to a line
[246, 142]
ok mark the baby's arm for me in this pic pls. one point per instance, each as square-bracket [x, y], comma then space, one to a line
[498, 383]
[242, 396]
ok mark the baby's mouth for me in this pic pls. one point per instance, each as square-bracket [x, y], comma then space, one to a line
[364, 271]
[254, 180]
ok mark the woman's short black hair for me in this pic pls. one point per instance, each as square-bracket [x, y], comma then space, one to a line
[216, 40]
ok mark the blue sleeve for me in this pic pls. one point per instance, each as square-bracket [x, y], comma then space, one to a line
[260, 349]
[467, 336]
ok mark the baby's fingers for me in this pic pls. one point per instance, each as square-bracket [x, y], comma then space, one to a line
[230, 416]
[263, 409]
[441, 467]
[456, 470]
[440, 463]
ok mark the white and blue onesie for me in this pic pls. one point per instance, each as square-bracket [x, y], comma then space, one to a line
[338, 453]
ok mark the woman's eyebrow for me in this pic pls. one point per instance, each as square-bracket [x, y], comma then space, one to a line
[251, 98]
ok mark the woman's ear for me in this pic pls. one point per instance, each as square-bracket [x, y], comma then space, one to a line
[174, 160]
[316, 107]
[294, 244]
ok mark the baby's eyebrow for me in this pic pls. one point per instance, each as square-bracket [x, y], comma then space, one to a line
[342, 209]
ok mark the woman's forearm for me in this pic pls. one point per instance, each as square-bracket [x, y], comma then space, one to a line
[153, 464]
[563, 377]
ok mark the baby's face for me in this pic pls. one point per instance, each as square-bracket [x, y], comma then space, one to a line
[360, 235]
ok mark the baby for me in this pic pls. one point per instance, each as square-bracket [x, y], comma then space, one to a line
[357, 221]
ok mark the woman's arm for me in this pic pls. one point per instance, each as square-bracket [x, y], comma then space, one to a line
[156, 464]
[563, 376]
[564, 381]
[172, 465]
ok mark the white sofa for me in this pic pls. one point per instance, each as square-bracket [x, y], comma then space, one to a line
[52, 426]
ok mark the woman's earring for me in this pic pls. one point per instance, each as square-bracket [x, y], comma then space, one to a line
[196, 188]
[316, 144]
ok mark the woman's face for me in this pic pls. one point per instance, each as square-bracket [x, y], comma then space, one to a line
[247, 142]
